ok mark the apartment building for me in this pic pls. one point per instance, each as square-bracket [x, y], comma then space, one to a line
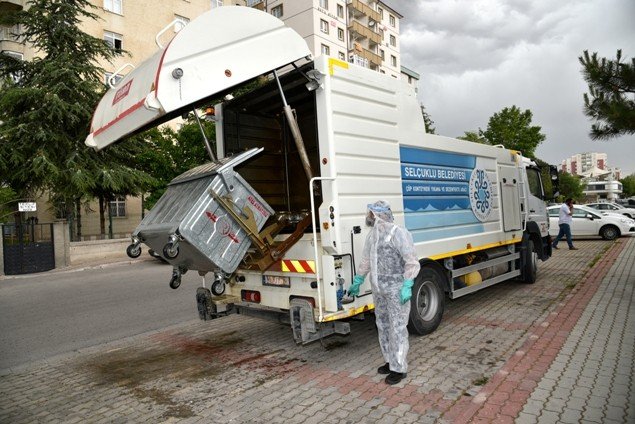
[583, 163]
[364, 32]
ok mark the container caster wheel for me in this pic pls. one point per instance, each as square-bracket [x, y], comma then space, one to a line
[218, 288]
[170, 251]
[175, 282]
[133, 251]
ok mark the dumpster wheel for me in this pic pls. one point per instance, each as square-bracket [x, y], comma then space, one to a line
[133, 251]
[170, 250]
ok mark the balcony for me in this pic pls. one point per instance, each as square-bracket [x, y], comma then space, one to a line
[372, 57]
[358, 9]
[11, 5]
[256, 4]
[361, 31]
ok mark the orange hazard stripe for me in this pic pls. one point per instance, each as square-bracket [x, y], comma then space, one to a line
[287, 265]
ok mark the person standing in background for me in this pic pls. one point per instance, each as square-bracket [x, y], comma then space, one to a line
[565, 220]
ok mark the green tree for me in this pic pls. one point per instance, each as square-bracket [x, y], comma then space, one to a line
[628, 185]
[570, 186]
[46, 106]
[512, 128]
[474, 137]
[169, 154]
[427, 121]
[610, 101]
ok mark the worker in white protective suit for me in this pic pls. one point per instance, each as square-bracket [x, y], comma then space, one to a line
[389, 258]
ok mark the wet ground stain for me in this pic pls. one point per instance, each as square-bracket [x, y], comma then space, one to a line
[154, 375]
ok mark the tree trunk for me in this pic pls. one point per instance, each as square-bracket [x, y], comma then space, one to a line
[78, 208]
[102, 217]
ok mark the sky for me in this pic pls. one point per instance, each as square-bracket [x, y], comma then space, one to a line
[476, 57]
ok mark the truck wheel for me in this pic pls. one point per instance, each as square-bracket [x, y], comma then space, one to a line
[609, 232]
[427, 302]
[133, 251]
[529, 263]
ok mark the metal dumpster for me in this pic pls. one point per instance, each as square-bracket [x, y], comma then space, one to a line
[195, 223]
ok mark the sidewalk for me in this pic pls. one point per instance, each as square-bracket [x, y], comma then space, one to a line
[578, 365]
[559, 350]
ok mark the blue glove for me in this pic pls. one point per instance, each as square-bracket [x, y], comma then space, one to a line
[406, 291]
[358, 280]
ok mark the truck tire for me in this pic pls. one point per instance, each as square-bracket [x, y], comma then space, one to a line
[609, 232]
[427, 302]
[529, 262]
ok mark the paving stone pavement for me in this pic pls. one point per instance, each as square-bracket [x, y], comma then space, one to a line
[547, 351]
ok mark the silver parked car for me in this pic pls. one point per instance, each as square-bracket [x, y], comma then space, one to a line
[612, 207]
[591, 222]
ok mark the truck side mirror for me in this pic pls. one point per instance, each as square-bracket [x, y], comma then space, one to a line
[555, 180]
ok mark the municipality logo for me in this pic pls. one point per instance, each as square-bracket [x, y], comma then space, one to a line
[480, 194]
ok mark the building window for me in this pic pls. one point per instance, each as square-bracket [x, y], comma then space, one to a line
[382, 54]
[324, 26]
[393, 40]
[391, 19]
[326, 49]
[340, 34]
[324, 4]
[12, 33]
[114, 40]
[118, 207]
[341, 55]
[114, 6]
[217, 3]
[393, 60]
[277, 11]
[15, 76]
[340, 11]
[381, 12]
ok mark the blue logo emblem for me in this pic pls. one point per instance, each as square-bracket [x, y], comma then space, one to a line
[480, 194]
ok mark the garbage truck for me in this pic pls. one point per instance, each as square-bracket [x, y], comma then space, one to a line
[274, 222]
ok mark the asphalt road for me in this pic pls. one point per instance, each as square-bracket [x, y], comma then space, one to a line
[48, 314]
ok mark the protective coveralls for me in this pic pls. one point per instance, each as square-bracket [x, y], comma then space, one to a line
[389, 259]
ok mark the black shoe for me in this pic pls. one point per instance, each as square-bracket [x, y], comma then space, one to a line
[573, 248]
[395, 377]
[555, 247]
[384, 369]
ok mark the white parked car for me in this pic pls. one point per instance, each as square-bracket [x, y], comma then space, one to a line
[612, 207]
[592, 222]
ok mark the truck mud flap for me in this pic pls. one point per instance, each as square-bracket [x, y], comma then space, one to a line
[305, 329]
[205, 305]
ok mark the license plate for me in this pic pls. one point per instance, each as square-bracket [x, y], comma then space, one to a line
[275, 280]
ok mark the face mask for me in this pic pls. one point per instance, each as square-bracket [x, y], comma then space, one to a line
[370, 219]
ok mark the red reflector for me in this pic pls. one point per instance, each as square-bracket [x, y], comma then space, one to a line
[250, 296]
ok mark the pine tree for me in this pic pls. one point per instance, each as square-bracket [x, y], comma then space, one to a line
[610, 101]
[46, 107]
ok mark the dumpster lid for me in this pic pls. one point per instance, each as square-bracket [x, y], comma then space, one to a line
[215, 52]
[216, 167]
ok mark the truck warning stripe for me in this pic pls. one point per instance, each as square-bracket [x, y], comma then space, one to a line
[299, 266]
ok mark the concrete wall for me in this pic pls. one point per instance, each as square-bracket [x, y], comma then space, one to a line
[61, 244]
[96, 252]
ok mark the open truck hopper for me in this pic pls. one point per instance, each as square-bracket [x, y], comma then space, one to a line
[209, 216]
